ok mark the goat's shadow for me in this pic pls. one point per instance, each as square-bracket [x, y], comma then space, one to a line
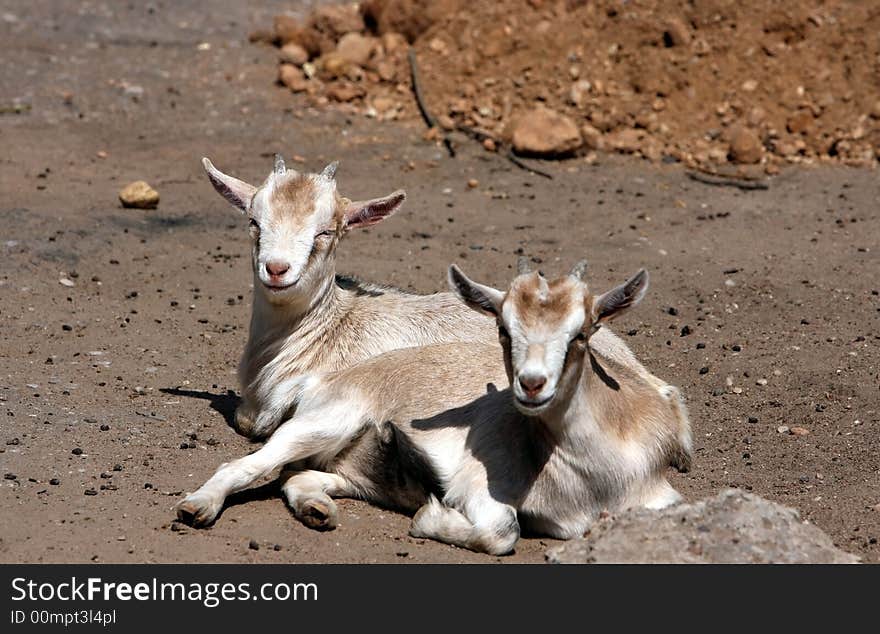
[223, 404]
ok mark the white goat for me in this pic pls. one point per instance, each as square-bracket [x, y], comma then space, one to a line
[437, 429]
[306, 319]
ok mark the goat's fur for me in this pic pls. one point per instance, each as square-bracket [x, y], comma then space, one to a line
[446, 431]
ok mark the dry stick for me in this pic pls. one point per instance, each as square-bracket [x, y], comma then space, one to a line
[477, 135]
[726, 181]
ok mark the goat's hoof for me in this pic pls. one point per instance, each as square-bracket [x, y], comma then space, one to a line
[197, 510]
[319, 515]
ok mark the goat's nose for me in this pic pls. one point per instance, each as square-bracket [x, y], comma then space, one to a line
[277, 268]
[532, 384]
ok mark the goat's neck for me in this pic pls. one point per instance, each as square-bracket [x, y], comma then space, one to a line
[574, 417]
[270, 320]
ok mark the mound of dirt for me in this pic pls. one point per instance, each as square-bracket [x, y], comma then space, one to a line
[742, 81]
[732, 527]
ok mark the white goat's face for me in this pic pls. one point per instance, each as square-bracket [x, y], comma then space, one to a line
[296, 221]
[544, 327]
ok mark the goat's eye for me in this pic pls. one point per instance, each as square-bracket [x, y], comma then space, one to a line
[253, 224]
[325, 232]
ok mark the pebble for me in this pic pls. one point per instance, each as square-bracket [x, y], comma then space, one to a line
[356, 48]
[292, 77]
[704, 370]
[90, 492]
[745, 146]
[799, 431]
[54, 482]
[293, 53]
[753, 420]
[473, 183]
[254, 545]
[10, 476]
[545, 132]
[737, 390]
[761, 382]
[783, 429]
[685, 330]
[139, 195]
[105, 428]
[76, 451]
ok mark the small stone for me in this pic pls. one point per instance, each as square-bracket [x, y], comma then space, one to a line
[292, 77]
[54, 482]
[750, 85]
[66, 282]
[473, 183]
[677, 33]
[745, 146]
[105, 427]
[489, 145]
[753, 420]
[356, 48]
[628, 140]
[90, 492]
[76, 451]
[293, 53]
[254, 545]
[704, 370]
[10, 476]
[685, 330]
[783, 429]
[593, 139]
[344, 92]
[736, 348]
[544, 132]
[799, 431]
[139, 195]
[761, 382]
[737, 390]
[799, 122]
[579, 93]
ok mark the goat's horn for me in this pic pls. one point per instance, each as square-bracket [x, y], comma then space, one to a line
[330, 171]
[578, 270]
[280, 168]
[522, 265]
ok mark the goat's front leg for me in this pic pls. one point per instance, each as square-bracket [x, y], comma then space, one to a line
[308, 494]
[324, 431]
[490, 527]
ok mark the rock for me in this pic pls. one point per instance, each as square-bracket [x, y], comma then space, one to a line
[289, 30]
[677, 33]
[334, 21]
[745, 146]
[800, 122]
[410, 18]
[344, 91]
[799, 431]
[139, 195]
[592, 137]
[473, 183]
[356, 48]
[783, 429]
[394, 42]
[386, 71]
[732, 527]
[579, 93]
[750, 85]
[293, 53]
[628, 140]
[544, 132]
[292, 77]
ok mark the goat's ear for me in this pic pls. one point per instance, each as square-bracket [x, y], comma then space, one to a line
[365, 213]
[618, 300]
[235, 191]
[483, 299]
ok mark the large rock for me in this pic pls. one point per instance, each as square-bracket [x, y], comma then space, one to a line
[732, 527]
[544, 132]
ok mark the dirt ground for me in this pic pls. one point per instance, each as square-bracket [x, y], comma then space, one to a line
[764, 305]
